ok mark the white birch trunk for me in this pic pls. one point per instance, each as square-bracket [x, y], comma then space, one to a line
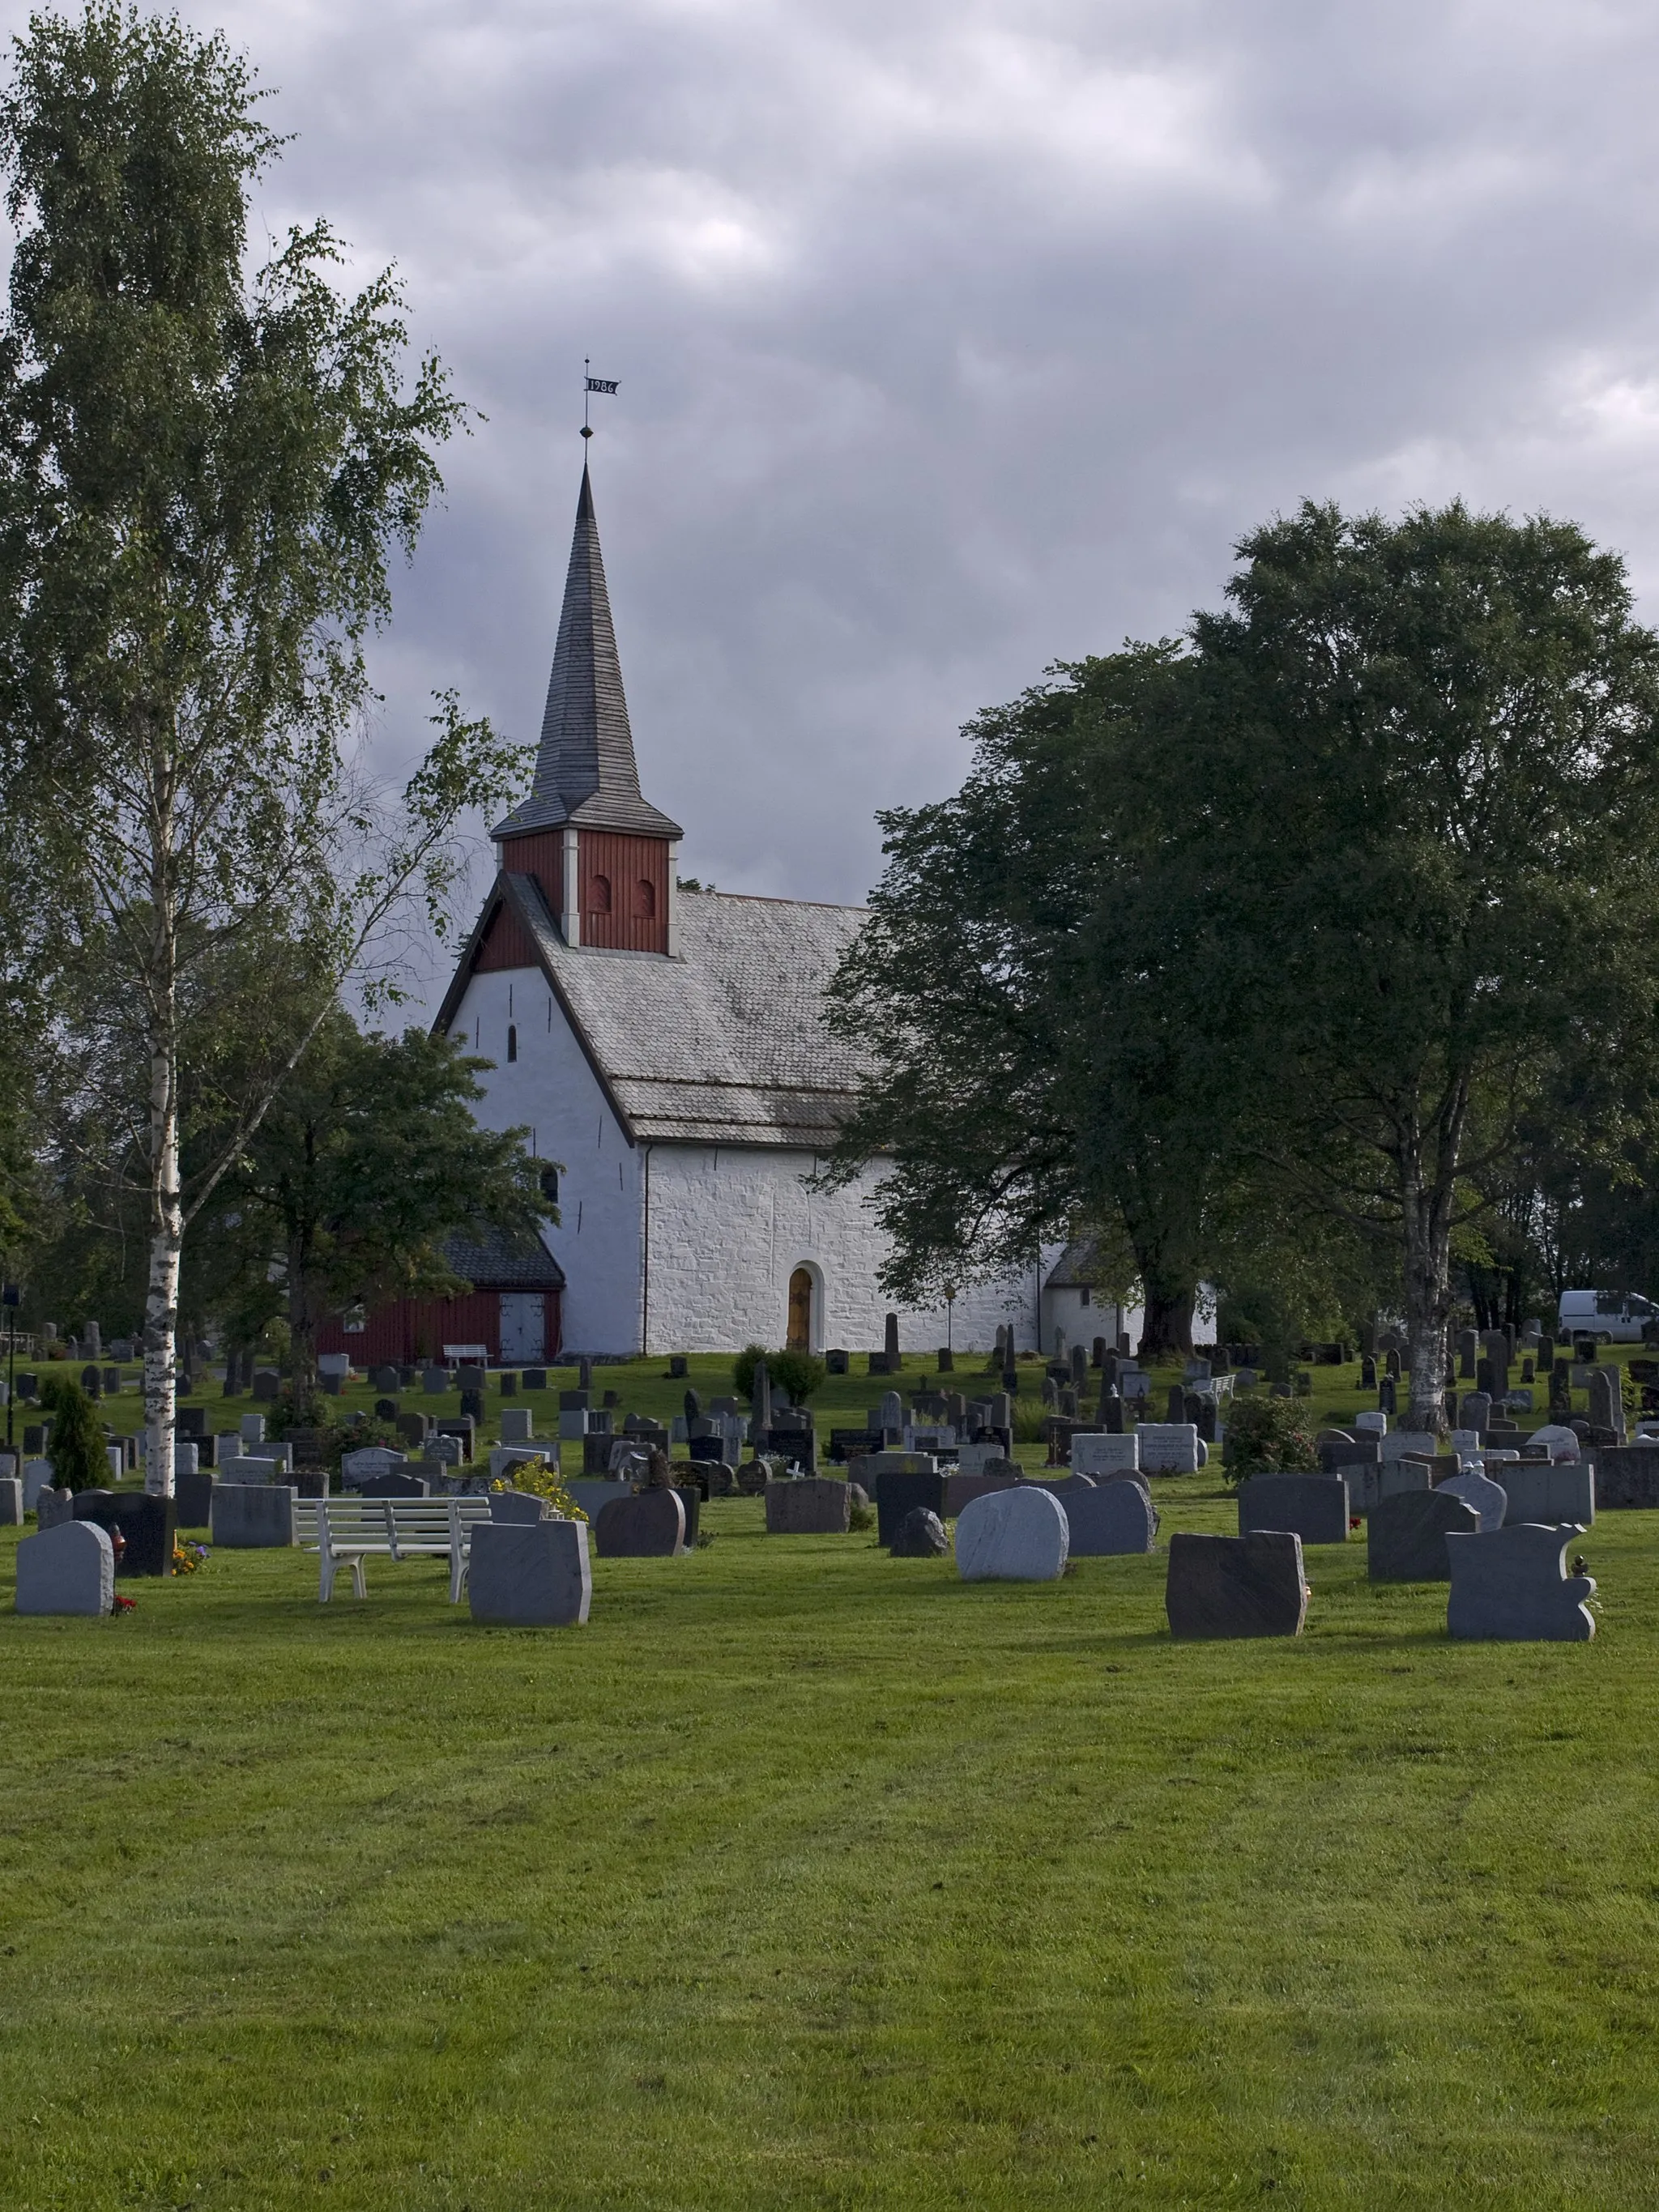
[167, 1231]
[1428, 1294]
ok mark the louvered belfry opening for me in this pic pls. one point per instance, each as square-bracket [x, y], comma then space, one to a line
[603, 856]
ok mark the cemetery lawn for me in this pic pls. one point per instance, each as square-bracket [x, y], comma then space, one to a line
[802, 1876]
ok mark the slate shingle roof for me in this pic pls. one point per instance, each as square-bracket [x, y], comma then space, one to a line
[491, 1261]
[585, 772]
[724, 1044]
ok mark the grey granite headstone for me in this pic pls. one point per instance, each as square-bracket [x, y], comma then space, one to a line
[37, 1477]
[1013, 1535]
[253, 1428]
[434, 1381]
[517, 1505]
[529, 1575]
[1485, 1496]
[920, 1535]
[357, 1467]
[1406, 1535]
[1314, 1507]
[1549, 1494]
[1626, 1475]
[1169, 1448]
[52, 1506]
[518, 1425]
[67, 1568]
[649, 1526]
[252, 1516]
[1229, 1586]
[814, 1506]
[1474, 1411]
[1606, 1409]
[1096, 1454]
[594, 1492]
[1512, 1586]
[1113, 1518]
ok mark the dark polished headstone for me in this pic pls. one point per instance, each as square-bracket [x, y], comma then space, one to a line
[146, 1523]
[898, 1494]
[1236, 1586]
[649, 1526]
[394, 1484]
[193, 1498]
[1314, 1507]
[1406, 1535]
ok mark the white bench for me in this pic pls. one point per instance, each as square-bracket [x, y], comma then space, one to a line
[346, 1531]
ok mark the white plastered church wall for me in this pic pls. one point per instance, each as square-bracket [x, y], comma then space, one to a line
[551, 1090]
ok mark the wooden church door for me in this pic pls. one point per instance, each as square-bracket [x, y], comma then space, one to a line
[800, 1310]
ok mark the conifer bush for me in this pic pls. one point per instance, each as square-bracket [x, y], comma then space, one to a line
[77, 1447]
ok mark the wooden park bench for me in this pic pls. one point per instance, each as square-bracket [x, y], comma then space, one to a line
[346, 1531]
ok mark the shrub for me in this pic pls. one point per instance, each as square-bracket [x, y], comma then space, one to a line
[861, 1516]
[77, 1448]
[1268, 1435]
[535, 1479]
[797, 1372]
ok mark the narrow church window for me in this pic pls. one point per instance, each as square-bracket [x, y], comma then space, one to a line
[601, 894]
[645, 899]
[512, 1042]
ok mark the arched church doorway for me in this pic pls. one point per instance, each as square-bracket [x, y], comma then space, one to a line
[800, 1310]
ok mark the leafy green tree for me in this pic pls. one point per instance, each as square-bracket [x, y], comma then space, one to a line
[368, 1158]
[201, 478]
[1414, 824]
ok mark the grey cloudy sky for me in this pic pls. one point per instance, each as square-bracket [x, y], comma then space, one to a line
[957, 338]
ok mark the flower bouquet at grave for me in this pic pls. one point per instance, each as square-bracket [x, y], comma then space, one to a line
[1268, 1435]
[187, 1558]
[534, 1478]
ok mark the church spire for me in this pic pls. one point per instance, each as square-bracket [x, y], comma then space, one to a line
[585, 772]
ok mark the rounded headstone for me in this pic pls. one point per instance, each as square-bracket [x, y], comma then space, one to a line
[1012, 1535]
[921, 1535]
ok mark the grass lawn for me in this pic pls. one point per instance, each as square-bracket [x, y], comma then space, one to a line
[802, 1876]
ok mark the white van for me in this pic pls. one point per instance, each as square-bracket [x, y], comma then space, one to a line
[1610, 1316]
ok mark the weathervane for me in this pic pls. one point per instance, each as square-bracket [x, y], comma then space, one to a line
[592, 383]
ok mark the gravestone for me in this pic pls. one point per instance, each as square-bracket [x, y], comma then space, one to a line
[1606, 1406]
[516, 1505]
[37, 1477]
[67, 1568]
[192, 1496]
[267, 1386]
[1236, 1586]
[384, 1379]
[920, 1535]
[1626, 1476]
[1406, 1535]
[252, 1516]
[891, 1344]
[1368, 1374]
[534, 1378]
[1408, 1443]
[530, 1575]
[1168, 1447]
[1487, 1497]
[1469, 1349]
[11, 1502]
[507, 1384]
[414, 1428]
[649, 1526]
[52, 1506]
[471, 1377]
[1561, 1443]
[1112, 1519]
[1549, 1495]
[1388, 1395]
[1391, 1364]
[1013, 1535]
[356, 1467]
[1512, 1586]
[1371, 1424]
[814, 1506]
[397, 1482]
[1314, 1507]
[1094, 1453]
[518, 1425]
[836, 1362]
[146, 1522]
[252, 1429]
[434, 1381]
[899, 1491]
[1486, 1378]
[960, 1490]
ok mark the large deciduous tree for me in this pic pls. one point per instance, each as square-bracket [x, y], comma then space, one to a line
[203, 478]
[1417, 818]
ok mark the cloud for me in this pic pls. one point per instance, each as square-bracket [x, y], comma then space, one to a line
[957, 338]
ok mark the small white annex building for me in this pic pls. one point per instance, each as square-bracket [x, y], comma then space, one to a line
[667, 1049]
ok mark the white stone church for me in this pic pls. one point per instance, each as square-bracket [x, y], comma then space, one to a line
[667, 1049]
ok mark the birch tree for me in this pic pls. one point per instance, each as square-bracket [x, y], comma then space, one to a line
[204, 474]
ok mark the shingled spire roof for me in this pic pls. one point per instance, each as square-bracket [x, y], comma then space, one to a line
[585, 772]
